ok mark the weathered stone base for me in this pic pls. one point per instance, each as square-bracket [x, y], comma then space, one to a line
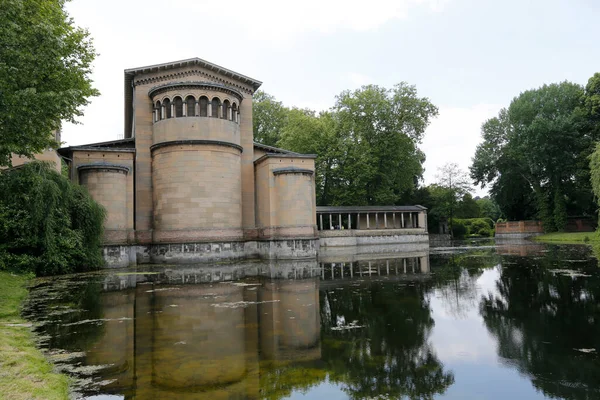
[190, 253]
[516, 236]
[337, 238]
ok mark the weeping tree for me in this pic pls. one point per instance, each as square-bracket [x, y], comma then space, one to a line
[48, 225]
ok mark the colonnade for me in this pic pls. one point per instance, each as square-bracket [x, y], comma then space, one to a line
[192, 107]
[368, 220]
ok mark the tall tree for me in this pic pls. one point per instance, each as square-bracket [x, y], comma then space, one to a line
[307, 133]
[456, 184]
[535, 154]
[367, 144]
[269, 117]
[380, 129]
[45, 63]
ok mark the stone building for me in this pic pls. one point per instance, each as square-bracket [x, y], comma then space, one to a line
[48, 155]
[187, 182]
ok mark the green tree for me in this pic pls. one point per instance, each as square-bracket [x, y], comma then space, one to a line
[269, 117]
[534, 155]
[380, 130]
[45, 63]
[48, 225]
[455, 184]
[307, 133]
[488, 208]
[467, 207]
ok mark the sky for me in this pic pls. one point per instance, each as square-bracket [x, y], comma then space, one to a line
[469, 57]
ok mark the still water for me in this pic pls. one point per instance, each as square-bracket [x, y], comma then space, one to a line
[504, 322]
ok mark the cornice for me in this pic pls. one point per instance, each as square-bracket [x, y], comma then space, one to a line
[293, 170]
[273, 155]
[194, 85]
[173, 75]
[104, 167]
[196, 142]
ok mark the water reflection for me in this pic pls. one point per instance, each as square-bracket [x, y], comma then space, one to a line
[492, 323]
[545, 318]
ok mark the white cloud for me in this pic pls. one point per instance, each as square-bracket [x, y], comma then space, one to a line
[453, 137]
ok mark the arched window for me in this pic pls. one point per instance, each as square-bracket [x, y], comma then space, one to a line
[167, 106]
[178, 106]
[158, 111]
[216, 103]
[190, 102]
[226, 109]
[234, 112]
[204, 106]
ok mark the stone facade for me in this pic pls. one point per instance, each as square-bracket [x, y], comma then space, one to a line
[187, 182]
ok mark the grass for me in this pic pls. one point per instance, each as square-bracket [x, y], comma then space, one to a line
[569, 237]
[24, 371]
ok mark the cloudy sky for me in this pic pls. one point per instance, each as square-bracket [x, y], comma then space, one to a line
[470, 57]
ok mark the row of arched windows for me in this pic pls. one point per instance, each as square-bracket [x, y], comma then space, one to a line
[196, 108]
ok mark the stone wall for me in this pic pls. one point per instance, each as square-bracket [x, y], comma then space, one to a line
[197, 193]
[108, 176]
[285, 196]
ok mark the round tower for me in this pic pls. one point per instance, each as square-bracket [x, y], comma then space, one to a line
[196, 162]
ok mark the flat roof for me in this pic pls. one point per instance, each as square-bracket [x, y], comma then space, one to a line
[370, 209]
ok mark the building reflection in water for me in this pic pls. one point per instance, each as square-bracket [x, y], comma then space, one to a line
[170, 340]
[242, 332]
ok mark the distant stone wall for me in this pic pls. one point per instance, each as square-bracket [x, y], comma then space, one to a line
[519, 228]
[354, 237]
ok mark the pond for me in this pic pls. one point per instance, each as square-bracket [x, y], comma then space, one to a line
[487, 322]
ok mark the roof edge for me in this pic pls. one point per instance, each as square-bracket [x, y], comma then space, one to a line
[196, 60]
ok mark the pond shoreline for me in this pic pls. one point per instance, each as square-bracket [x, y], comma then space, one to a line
[568, 238]
[25, 372]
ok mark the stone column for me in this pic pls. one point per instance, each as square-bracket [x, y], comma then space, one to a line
[402, 220]
[368, 222]
[349, 221]
[173, 110]
[376, 220]
[385, 220]
[321, 220]
[209, 111]
[330, 222]
[197, 108]
[184, 109]
[162, 112]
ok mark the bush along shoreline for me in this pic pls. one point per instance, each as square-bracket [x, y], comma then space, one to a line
[48, 226]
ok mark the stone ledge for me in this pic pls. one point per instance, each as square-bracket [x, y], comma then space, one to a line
[196, 142]
[370, 232]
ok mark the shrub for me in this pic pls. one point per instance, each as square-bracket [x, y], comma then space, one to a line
[459, 229]
[48, 225]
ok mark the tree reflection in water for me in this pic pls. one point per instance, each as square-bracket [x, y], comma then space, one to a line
[541, 318]
[390, 354]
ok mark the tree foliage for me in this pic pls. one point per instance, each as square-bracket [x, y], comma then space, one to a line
[269, 117]
[534, 155]
[45, 62]
[366, 145]
[453, 184]
[48, 225]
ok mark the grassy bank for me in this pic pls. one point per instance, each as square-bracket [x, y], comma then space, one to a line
[24, 372]
[569, 238]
